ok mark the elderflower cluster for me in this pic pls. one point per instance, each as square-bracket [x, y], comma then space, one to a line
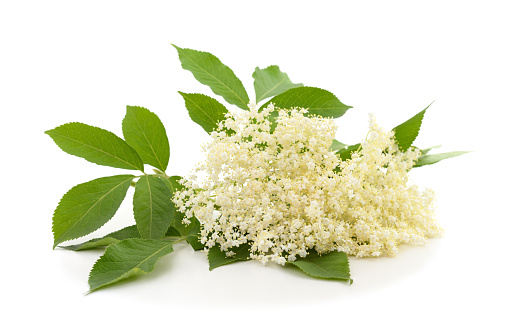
[284, 192]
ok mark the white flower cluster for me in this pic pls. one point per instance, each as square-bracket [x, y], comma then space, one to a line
[285, 192]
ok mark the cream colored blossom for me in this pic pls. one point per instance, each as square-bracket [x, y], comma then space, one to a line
[285, 192]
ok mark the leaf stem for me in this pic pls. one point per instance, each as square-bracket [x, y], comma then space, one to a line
[179, 239]
[158, 171]
[156, 175]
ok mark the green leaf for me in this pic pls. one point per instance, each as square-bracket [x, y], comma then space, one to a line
[193, 236]
[208, 70]
[173, 184]
[174, 181]
[144, 131]
[88, 206]
[203, 110]
[346, 153]
[96, 145]
[153, 208]
[333, 265]
[336, 145]
[129, 232]
[407, 132]
[425, 151]
[272, 119]
[217, 257]
[428, 159]
[191, 231]
[270, 82]
[126, 259]
[173, 232]
[316, 100]
[168, 184]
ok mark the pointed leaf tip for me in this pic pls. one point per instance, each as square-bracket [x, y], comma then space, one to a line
[153, 209]
[271, 81]
[210, 71]
[114, 237]
[429, 159]
[88, 206]
[145, 133]
[128, 258]
[204, 110]
[96, 145]
[317, 101]
[406, 133]
[332, 265]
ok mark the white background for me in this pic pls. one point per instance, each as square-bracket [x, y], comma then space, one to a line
[72, 61]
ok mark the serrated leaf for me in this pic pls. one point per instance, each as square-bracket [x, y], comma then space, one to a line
[88, 206]
[429, 159]
[217, 257]
[336, 145]
[333, 265]
[144, 131]
[191, 231]
[406, 132]
[209, 70]
[317, 101]
[96, 145]
[129, 232]
[204, 110]
[153, 208]
[126, 259]
[270, 82]
[347, 152]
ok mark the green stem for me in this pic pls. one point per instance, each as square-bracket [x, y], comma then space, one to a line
[158, 171]
[179, 239]
[163, 175]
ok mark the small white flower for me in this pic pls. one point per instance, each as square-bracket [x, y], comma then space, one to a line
[281, 191]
